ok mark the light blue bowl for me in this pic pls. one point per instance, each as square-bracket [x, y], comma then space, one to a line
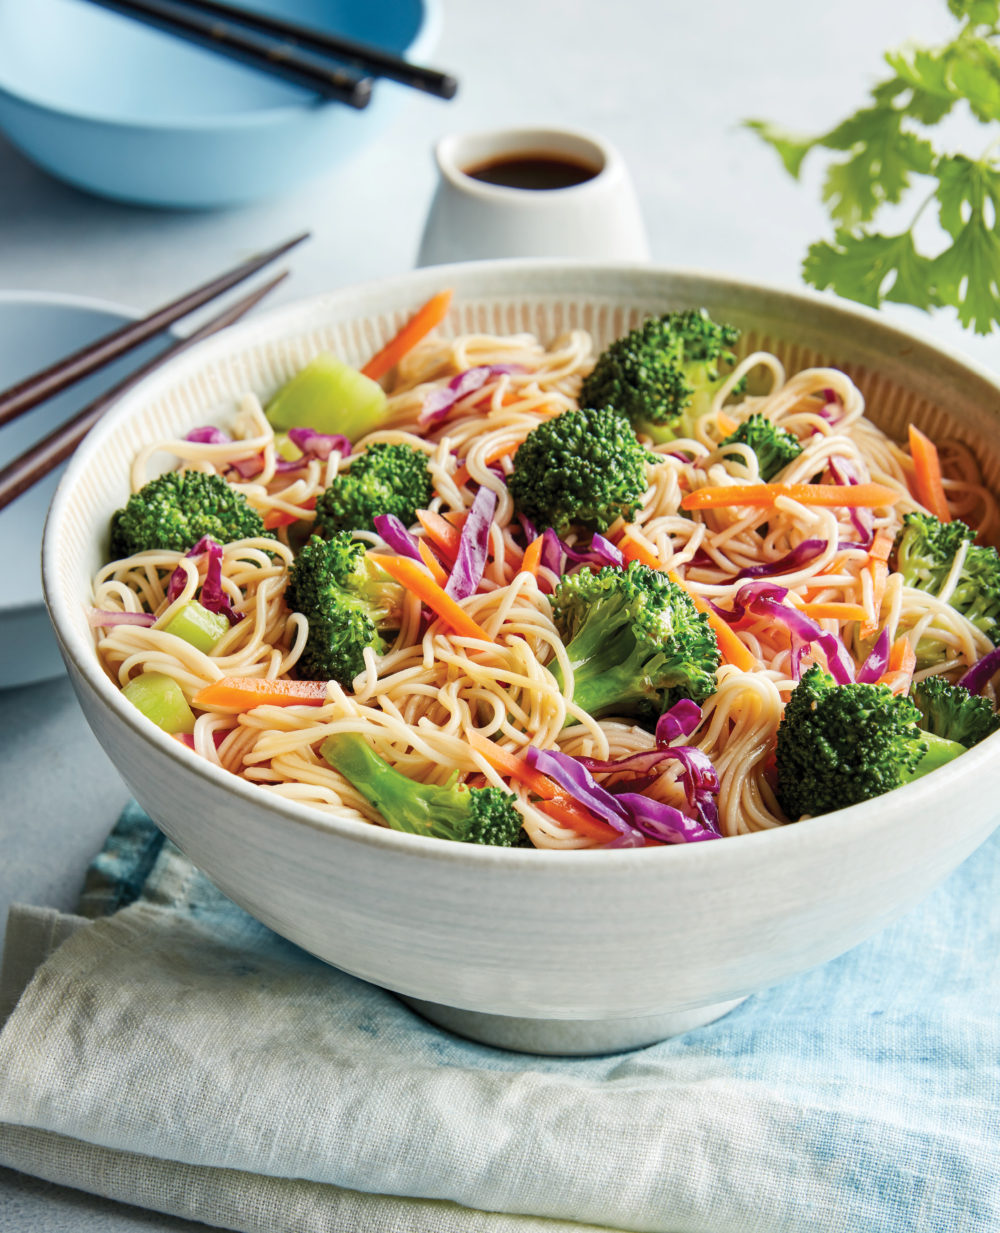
[124, 111]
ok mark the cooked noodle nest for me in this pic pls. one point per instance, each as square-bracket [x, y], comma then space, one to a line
[419, 701]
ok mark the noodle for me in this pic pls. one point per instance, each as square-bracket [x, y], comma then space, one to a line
[418, 701]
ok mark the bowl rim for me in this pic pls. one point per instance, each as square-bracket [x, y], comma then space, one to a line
[54, 299]
[827, 831]
[423, 42]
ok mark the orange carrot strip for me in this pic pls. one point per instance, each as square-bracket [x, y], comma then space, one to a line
[444, 535]
[243, 693]
[421, 323]
[834, 610]
[564, 808]
[532, 556]
[438, 572]
[573, 816]
[633, 548]
[275, 518]
[731, 648]
[927, 475]
[456, 517]
[415, 578]
[899, 670]
[726, 426]
[847, 495]
[878, 568]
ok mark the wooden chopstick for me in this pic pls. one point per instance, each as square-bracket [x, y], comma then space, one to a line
[35, 463]
[262, 53]
[375, 61]
[41, 385]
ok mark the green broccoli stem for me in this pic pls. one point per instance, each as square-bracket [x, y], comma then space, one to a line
[939, 751]
[606, 669]
[418, 809]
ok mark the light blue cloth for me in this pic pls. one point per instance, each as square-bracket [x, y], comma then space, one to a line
[863, 1095]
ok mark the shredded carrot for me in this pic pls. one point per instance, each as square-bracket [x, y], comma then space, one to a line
[878, 568]
[420, 324]
[834, 611]
[532, 556]
[899, 670]
[456, 517]
[726, 426]
[282, 518]
[438, 572]
[848, 495]
[558, 802]
[445, 536]
[243, 693]
[415, 578]
[731, 648]
[635, 547]
[927, 475]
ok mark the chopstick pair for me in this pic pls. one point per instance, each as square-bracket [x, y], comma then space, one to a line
[37, 461]
[285, 49]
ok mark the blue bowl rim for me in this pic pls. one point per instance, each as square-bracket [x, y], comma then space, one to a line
[425, 40]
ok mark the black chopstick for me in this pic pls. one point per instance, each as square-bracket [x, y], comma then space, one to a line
[35, 463]
[72, 368]
[260, 53]
[375, 61]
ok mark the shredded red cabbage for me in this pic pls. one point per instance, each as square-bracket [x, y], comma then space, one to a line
[800, 555]
[601, 552]
[247, 468]
[629, 813]
[313, 444]
[473, 547]
[212, 595]
[877, 661]
[438, 403]
[698, 776]
[107, 616]
[981, 672]
[762, 599]
[843, 472]
[399, 539]
[681, 720]
[208, 435]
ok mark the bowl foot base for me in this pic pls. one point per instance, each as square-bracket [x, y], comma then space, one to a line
[567, 1037]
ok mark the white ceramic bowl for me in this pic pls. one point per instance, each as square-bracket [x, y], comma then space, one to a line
[554, 951]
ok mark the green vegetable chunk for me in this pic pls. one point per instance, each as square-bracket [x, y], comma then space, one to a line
[329, 396]
[176, 509]
[466, 815]
[195, 624]
[636, 642]
[162, 700]
[775, 447]
[952, 712]
[580, 469]
[386, 479]
[842, 744]
[348, 603]
[925, 554]
[664, 374]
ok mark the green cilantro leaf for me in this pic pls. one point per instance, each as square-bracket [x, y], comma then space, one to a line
[870, 268]
[967, 274]
[925, 74]
[791, 149]
[882, 158]
[974, 74]
[965, 186]
[977, 12]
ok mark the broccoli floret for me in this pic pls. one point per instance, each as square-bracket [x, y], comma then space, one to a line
[580, 469]
[467, 815]
[348, 603]
[952, 712]
[775, 447]
[841, 744]
[386, 479]
[176, 509]
[925, 553]
[636, 641]
[664, 374]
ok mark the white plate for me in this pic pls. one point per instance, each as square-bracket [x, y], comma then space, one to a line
[35, 330]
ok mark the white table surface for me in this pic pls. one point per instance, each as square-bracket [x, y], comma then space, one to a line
[667, 82]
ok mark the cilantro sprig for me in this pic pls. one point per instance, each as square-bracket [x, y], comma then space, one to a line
[890, 153]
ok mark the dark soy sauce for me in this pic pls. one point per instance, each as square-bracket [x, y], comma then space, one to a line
[535, 172]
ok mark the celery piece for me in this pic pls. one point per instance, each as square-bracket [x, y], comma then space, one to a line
[162, 700]
[195, 624]
[329, 396]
